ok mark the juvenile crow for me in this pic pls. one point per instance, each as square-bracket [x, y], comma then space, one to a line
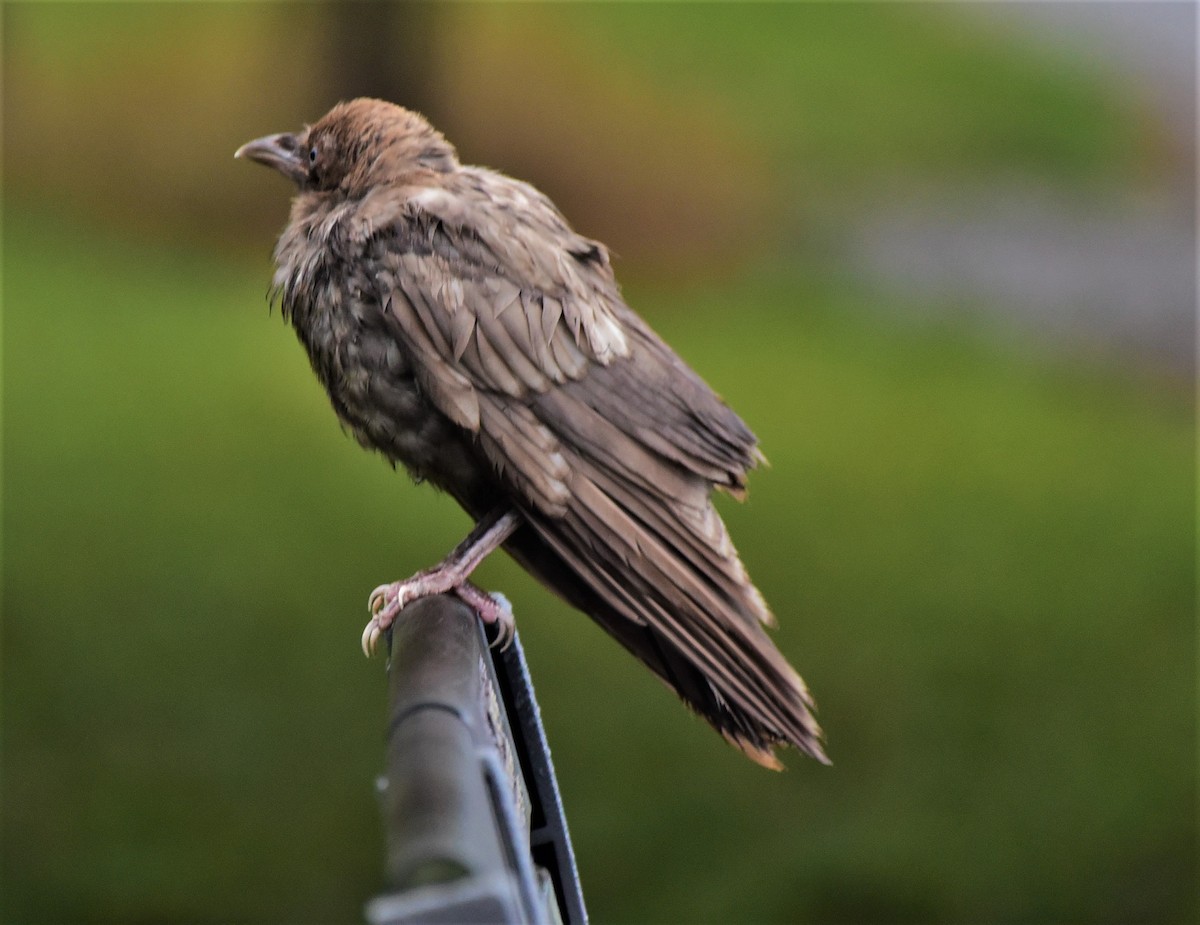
[463, 329]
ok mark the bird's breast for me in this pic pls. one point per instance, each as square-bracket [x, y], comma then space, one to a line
[370, 377]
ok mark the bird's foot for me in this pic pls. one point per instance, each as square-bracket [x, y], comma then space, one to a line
[388, 600]
[492, 608]
[451, 575]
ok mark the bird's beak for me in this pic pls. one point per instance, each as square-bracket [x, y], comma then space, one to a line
[283, 152]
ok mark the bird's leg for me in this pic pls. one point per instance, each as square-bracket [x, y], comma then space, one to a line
[450, 574]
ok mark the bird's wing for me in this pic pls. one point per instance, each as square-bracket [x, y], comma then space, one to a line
[609, 441]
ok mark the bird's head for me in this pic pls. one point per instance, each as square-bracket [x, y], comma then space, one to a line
[355, 147]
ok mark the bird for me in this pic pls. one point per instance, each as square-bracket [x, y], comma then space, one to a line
[464, 330]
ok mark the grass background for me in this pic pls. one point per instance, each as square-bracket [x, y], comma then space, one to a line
[980, 547]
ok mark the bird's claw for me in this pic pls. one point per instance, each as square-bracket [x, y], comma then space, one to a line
[371, 636]
[386, 602]
[387, 598]
[491, 608]
[506, 624]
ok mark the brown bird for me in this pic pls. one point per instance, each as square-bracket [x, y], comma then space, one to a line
[463, 329]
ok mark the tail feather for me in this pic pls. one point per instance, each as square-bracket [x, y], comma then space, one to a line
[737, 680]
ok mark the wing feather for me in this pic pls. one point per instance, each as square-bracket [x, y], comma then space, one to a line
[450, 390]
[513, 345]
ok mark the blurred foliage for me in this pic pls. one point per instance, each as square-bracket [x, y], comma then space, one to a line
[795, 113]
[980, 552]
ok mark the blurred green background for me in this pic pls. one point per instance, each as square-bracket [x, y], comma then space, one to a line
[977, 529]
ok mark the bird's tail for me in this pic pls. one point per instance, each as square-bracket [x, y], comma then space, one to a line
[724, 666]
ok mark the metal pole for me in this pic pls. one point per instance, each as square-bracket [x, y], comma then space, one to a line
[456, 805]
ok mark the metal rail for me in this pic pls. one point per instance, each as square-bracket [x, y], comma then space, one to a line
[475, 828]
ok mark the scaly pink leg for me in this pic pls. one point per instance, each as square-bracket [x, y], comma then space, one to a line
[450, 574]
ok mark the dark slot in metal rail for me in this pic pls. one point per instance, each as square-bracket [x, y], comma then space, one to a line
[474, 822]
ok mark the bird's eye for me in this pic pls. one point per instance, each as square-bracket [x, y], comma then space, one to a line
[312, 154]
